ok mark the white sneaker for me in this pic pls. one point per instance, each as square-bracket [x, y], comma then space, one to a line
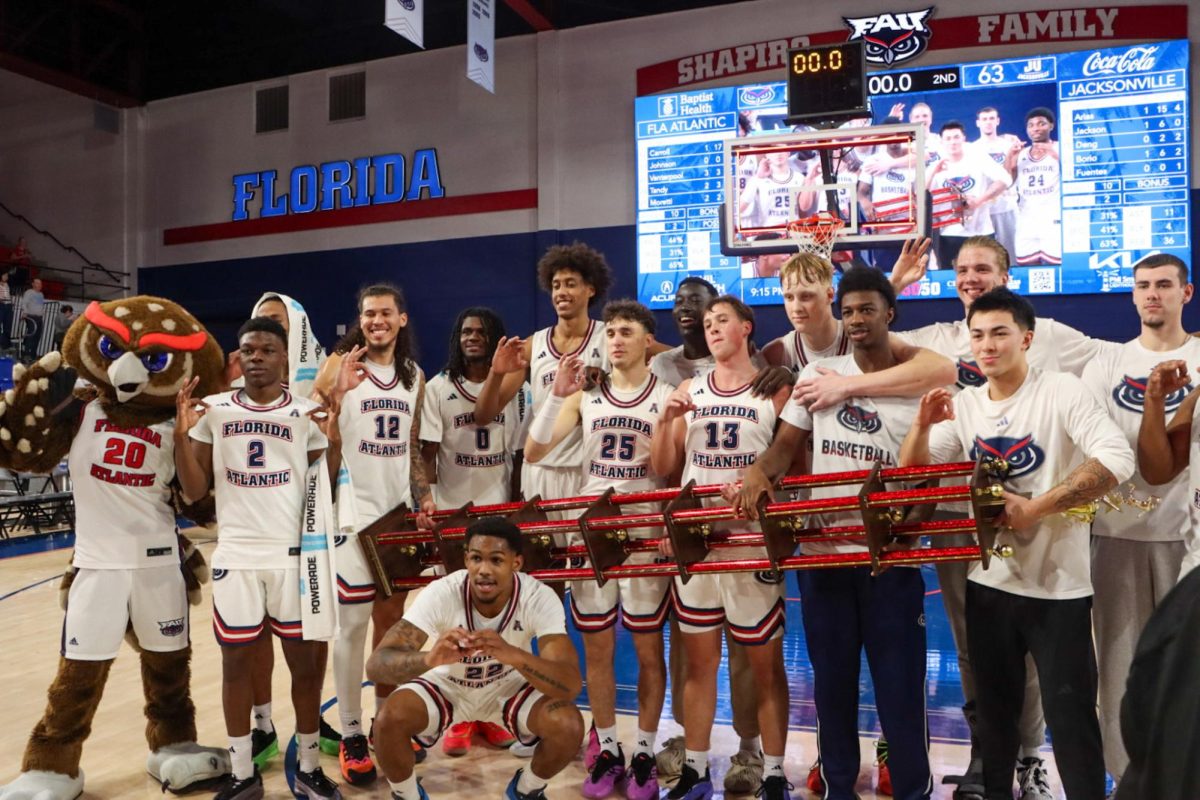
[670, 759]
[522, 750]
[1033, 780]
[745, 773]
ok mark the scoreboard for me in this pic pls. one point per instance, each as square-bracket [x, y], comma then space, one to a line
[1120, 137]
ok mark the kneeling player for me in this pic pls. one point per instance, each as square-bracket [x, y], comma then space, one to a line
[483, 621]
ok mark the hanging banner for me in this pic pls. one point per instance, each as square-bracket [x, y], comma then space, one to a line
[481, 41]
[407, 18]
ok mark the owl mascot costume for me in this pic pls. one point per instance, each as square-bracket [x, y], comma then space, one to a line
[133, 356]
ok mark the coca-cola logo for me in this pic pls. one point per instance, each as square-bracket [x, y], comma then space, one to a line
[1135, 59]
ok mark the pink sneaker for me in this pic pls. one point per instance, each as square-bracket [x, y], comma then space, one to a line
[592, 751]
[608, 771]
[641, 780]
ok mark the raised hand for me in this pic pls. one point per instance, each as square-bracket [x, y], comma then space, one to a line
[351, 372]
[188, 410]
[937, 405]
[678, 403]
[913, 262]
[570, 376]
[1167, 378]
[509, 356]
[325, 417]
[450, 648]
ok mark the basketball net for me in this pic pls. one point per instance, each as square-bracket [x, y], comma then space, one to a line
[816, 234]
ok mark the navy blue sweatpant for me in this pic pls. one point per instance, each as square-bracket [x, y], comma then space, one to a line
[845, 610]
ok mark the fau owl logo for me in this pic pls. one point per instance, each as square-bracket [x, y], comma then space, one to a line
[969, 374]
[891, 38]
[1021, 455]
[859, 420]
[1130, 394]
[964, 183]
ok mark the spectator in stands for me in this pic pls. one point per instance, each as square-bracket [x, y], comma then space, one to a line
[66, 315]
[5, 310]
[33, 306]
[19, 260]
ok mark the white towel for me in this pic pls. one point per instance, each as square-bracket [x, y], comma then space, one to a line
[344, 507]
[318, 569]
[304, 351]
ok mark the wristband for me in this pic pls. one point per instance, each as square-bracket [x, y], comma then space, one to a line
[541, 430]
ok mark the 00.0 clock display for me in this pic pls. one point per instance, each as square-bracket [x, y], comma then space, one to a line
[817, 61]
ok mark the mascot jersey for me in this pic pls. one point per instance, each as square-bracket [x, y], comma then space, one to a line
[122, 475]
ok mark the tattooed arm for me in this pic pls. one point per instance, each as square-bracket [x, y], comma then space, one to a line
[554, 673]
[1090, 481]
[421, 493]
[399, 657]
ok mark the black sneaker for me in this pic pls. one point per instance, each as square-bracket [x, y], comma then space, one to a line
[315, 786]
[247, 789]
[328, 740]
[691, 786]
[264, 746]
[775, 787]
[511, 793]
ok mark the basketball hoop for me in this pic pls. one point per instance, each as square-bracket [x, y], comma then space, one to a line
[816, 234]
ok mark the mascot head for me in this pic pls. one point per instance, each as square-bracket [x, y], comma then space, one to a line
[139, 352]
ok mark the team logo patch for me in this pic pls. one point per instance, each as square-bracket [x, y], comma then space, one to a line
[1130, 394]
[770, 577]
[170, 627]
[219, 573]
[859, 419]
[756, 96]
[408, 5]
[891, 38]
[517, 625]
[896, 177]
[481, 53]
[969, 374]
[1021, 455]
[964, 183]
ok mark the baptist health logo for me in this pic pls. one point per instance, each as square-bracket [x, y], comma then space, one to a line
[668, 106]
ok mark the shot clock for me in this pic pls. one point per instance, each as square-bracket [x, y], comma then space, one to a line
[826, 82]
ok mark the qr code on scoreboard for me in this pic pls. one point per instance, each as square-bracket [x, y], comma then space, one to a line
[1041, 281]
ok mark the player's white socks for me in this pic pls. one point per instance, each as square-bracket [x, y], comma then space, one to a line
[1028, 752]
[750, 746]
[772, 767]
[528, 782]
[348, 665]
[241, 751]
[645, 742]
[309, 750]
[608, 739]
[405, 789]
[697, 760]
[261, 720]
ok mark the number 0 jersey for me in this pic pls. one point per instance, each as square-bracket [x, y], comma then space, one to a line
[376, 423]
[617, 428]
[259, 457]
[121, 478]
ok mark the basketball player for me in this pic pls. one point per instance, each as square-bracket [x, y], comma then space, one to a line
[1136, 557]
[617, 419]
[373, 377]
[887, 175]
[1062, 451]
[1035, 170]
[465, 461]
[261, 439]
[995, 146]
[847, 610]
[768, 201]
[482, 621]
[714, 428]
[576, 277]
[982, 265]
[981, 182]
[922, 114]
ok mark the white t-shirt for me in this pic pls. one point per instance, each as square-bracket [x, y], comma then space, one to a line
[972, 175]
[376, 424]
[997, 150]
[1056, 348]
[543, 366]
[850, 436]
[896, 182]
[1118, 380]
[797, 355]
[533, 611]
[121, 478]
[1049, 426]
[474, 462]
[259, 458]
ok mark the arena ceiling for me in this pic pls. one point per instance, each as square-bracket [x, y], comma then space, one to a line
[129, 52]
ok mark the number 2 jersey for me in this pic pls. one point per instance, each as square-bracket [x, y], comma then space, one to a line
[532, 612]
[259, 457]
[376, 423]
[121, 479]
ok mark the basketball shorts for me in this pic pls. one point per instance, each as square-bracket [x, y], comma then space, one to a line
[643, 602]
[103, 602]
[1038, 239]
[354, 580]
[506, 702]
[551, 483]
[244, 600]
[750, 603]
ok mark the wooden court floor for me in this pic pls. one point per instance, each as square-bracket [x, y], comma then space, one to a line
[114, 757]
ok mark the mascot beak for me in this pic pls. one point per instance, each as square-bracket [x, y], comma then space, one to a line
[128, 376]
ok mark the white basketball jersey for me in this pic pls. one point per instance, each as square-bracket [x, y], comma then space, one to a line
[773, 201]
[533, 611]
[121, 476]
[259, 458]
[617, 428]
[997, 150]
[376, 423]
[543, 366]
[474, 462]
[797, 355]
[1037, 186]
[726, 431]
